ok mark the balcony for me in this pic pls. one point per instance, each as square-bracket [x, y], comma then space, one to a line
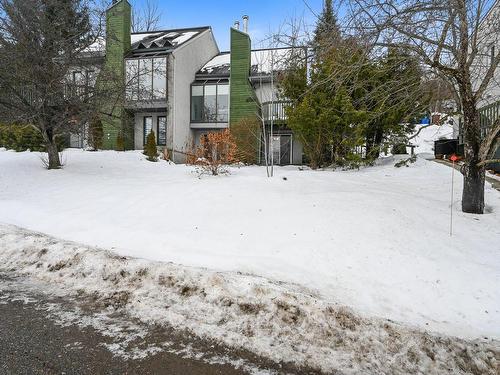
[488, 115]
[275, 111]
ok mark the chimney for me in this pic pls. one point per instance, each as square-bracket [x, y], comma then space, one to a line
[237, 25]
[245, 24]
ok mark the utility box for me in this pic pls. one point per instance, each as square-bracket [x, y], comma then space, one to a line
[443, 147]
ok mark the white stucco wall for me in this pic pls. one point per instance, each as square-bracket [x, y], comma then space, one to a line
[264, 92]
[186, 61]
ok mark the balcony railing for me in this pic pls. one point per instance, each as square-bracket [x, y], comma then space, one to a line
[275, 111]
[488, 115]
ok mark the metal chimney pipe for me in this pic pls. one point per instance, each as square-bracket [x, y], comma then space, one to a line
[237, 25]
[245, 24]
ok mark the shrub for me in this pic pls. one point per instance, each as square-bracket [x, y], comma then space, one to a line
[21, 138]
[216, 151]
[247, 136]
[150, 149]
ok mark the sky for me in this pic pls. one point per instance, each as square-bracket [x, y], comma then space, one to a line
[265, 15]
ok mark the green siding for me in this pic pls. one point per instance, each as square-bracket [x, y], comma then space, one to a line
[118, 18]
[243, 102]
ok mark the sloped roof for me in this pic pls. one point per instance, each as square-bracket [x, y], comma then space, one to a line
[218, 66]
[142, 41]
[263, 61]
[169, 39]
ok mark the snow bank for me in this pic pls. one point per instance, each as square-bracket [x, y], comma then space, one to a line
[281, 321]
[376, 240]
[425, 139]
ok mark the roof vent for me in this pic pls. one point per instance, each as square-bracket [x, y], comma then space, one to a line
[245, 24]
[237, 25]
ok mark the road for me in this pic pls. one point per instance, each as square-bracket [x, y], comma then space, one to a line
[35, 338]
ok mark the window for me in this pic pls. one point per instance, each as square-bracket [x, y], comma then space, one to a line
[131, 81]
[146, 79]
[162, 130]
[492, 55]
[148, 127]
[78, 83]
[222, 103]
[197, 103]
[159, 78]
[210, 103]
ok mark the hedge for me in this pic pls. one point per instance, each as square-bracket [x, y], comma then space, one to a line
[23, 138]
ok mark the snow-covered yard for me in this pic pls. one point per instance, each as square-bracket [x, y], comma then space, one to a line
[375, 240]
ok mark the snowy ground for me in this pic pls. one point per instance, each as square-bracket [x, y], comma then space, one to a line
[280, 321]
[375, 240]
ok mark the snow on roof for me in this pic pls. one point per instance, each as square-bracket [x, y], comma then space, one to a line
[164, 39]
[134, 38]
[262, 61]
[218, 65]
[98, 47]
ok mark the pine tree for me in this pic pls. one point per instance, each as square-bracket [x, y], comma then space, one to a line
[150, 149]
[327, 34]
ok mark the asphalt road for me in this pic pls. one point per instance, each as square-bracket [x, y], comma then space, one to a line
[34, 341]
[30, 343]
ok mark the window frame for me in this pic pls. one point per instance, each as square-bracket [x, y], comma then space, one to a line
[164, 142]
[144, 135]
[204, 119]
[137, 78]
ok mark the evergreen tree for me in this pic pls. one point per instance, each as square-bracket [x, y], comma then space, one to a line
[394, 96]
[327, 32]
[150, 149]
[351, 100]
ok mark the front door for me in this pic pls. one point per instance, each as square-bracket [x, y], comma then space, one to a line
[280, 149]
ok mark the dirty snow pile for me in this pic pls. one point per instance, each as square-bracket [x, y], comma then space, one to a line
[283, 322]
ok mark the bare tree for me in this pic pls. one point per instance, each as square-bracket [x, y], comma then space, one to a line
[454, 38]
[146, 17]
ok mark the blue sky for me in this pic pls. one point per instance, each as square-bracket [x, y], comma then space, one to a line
[265, 15]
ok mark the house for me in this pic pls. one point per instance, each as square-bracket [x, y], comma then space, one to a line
[180, 85]
[489, 103]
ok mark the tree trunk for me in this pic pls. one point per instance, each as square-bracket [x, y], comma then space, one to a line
[54, 161]
[49, 138]
[473, 192]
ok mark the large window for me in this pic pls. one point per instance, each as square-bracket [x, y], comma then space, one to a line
[210, 103]
[146, 79]
[162, 130]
